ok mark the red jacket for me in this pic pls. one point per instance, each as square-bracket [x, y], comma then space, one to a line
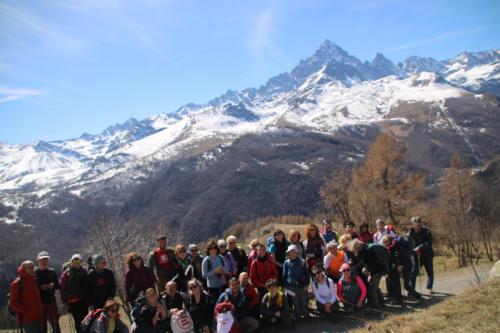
[251, 295]
[262, 271]
[26, 302]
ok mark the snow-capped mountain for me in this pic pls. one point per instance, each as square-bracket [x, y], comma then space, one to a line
[323, 93]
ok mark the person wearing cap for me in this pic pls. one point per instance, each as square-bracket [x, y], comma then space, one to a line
[163, 264]
[25, 300]
[351, 290]
[238, 254]
[48, 283]
[327, 232]
[196, 260]
[421, 240]
[229, 262]
[101, 283]
[333, 260]
[382, 231]
[73, 284]
[296, 280]
[324, 291]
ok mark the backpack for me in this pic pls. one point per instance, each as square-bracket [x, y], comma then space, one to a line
[89, 320]
[381, 253]
[209, 263]
[405, 245]
[270, 241]
[20, 287]
[327, 282]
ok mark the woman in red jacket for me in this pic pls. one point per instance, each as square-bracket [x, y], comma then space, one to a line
[25, 299]
[262, 270]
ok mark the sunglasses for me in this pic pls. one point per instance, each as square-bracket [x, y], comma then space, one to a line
[193, 287]
[222, 246]
[137, 258]
[182, 251]
[345, 270]
[114, 310]
[194, 250]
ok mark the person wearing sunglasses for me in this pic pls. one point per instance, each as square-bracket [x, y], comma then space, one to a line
[351, 290]
[324, 291]
[109, 320]
[184, 268]
[200, 307]
[73, 283]
[214, 271]
[137, 278]
[196, 260]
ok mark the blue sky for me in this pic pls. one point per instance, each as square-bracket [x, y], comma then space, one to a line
[68, 67]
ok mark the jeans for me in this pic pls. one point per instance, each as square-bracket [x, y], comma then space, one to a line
[394, 285]
[32, 327]
[51, 315]
[300, 302]
[375, 297]
[427, 262]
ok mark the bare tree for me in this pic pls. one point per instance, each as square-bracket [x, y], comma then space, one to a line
[335, 195]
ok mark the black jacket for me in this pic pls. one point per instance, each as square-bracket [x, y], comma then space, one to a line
[101, 286]
[202, 312]
[423, 239]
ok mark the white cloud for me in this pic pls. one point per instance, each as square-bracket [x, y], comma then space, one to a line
[11, 94]
[433, 39]
[260, 37]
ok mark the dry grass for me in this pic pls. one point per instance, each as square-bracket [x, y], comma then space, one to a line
[476, 310]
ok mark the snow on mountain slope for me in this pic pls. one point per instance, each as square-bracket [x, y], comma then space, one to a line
[324, 92]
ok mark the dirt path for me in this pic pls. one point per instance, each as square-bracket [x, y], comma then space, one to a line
[446, 284]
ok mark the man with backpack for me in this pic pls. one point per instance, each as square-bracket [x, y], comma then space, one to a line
[73, 284]
[372, 261]
[420, 238]
[163, 264]
[25, 300]
[48, 282]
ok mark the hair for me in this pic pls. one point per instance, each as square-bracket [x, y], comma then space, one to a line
[26, 263]
[271, 283]
[254, 242]
[345, 238]
[179, 247]
[231, 238]
[261, 245]
[150, 291]
[311, 227]
[332, 244]
[356, 245]
[293, 232]
[233, 279]
[352, 224]
[363, 226]
[212, 244]
[279, 232]
[110, 304]
[316, 269]
[129, 259]
[170, 283]
[196, 282]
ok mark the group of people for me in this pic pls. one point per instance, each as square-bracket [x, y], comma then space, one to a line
[226, 289]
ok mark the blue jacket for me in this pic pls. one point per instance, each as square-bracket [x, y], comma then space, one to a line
[240, 302]
[295, 273]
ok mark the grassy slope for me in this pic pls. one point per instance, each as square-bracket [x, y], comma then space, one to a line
[476, 310]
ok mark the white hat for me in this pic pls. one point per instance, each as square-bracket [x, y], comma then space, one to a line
[221, 242]
[76, 256]
[291, 248]
[43, 255]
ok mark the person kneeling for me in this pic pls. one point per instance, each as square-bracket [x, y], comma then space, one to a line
[274, 306]
[325, 294]
[351, 290]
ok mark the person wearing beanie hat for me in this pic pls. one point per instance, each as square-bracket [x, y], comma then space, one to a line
[351, 290]
[296, 280]
[48, 283]
[229, 262]
[101, 284]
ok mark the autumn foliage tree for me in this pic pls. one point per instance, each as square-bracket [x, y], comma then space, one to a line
[384, 185]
